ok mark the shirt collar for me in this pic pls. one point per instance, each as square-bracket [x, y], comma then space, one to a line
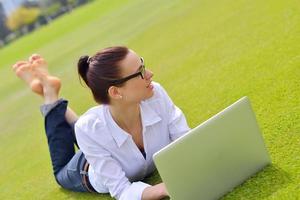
[148, 115]
[118, 134]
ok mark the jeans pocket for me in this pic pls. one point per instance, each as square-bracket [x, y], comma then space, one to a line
[69, 177]
[73, 175]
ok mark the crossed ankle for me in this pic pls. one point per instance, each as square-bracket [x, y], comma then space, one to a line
[46, 108]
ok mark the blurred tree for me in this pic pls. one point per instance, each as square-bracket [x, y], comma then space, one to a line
[30, 3]
[55, 8]
[3, 28]
[21, 17]
[52, 9]
[64, 2]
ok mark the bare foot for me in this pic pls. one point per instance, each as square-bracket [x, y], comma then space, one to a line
[24, 71]
[35, 73]
[39, 64]
[51, 86]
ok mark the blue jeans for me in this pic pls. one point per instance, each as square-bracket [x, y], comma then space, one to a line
[67, 165]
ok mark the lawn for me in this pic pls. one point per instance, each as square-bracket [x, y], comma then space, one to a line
[207, 54]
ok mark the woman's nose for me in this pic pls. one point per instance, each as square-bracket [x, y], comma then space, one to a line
[148, 74]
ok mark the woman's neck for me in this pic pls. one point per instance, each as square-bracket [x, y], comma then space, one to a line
[126, 116]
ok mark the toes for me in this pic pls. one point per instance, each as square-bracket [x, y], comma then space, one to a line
[19, 64]
[39, 62]
[23, 70]
[34, 57]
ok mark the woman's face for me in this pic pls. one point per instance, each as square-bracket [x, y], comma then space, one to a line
[138, 88]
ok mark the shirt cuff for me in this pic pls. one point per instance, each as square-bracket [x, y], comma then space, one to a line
[134, 191]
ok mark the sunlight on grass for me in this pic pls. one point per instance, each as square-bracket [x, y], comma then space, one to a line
[206, 54]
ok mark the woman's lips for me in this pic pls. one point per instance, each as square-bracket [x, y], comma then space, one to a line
[150, 86]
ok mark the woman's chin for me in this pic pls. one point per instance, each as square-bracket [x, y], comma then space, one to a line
[150, 94]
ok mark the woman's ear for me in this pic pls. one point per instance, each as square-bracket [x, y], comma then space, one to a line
[114, 93]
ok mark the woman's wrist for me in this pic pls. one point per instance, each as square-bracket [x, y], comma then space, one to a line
[155, 192]
[163, 190]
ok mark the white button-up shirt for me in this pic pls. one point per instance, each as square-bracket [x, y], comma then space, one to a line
[116, 163]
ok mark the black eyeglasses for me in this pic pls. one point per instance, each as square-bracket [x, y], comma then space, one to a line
[141, 73]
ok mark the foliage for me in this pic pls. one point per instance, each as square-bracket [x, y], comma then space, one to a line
[21, 17]
[52, 9]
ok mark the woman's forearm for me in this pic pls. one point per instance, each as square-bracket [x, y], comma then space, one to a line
[155, 192]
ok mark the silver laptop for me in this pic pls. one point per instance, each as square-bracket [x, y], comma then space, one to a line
[216, 156]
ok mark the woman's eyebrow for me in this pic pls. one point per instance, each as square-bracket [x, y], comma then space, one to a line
[142, 63]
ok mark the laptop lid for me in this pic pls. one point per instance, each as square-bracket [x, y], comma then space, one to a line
[216, 156]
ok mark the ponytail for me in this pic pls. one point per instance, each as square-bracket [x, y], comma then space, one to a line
[104, 63]
[83, 67]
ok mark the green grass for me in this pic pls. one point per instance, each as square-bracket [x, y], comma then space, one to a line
[207, 54]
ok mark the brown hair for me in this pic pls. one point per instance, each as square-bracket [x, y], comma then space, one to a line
[97, 69]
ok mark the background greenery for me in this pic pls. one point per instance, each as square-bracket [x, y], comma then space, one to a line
[207, 54]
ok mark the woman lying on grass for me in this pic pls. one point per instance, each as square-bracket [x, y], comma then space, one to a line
[116, 139]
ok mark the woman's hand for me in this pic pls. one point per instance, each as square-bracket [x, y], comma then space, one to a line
[155, 192]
